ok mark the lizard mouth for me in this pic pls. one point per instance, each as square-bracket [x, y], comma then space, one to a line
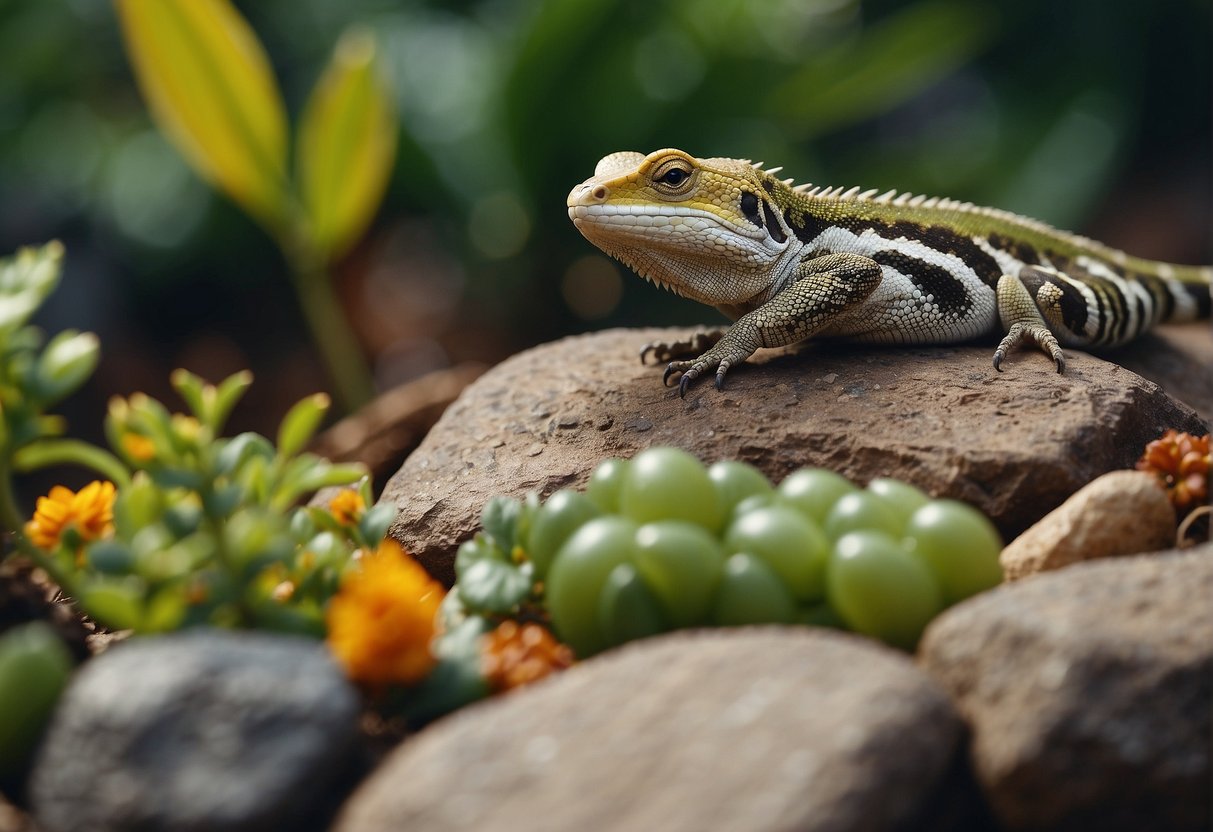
[654, 222]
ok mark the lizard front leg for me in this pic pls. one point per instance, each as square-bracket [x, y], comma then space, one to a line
[1021, 316]
[822, 288]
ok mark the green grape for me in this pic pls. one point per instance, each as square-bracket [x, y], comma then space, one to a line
[860, 511]
[557, 519]
[903, 498]
[754, 501]
[669, 484]
[750, 593]
[681, 563]
[735, 481]
[605, 482]
[786, 541]
[814, 491]
[880, 590]
[577, 575]
[960, 546]
[627, 608]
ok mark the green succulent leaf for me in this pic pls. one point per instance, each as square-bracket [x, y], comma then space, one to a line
[481, 547]
[494, 586]
[499, 518]
[301, 422]
[25, 281]
[66, 363]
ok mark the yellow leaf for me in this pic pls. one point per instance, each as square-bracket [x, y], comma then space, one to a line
[209, 85]
[347, 143]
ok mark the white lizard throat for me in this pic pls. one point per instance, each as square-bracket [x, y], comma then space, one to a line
[690, 251]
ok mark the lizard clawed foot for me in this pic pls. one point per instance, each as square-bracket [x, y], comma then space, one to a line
[715, 358]
[691, 370]
[699, 341]
[1041, 335]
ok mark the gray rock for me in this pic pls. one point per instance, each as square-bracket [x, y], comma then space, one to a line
[1015, 444]
[1089, 692]
[760, 729]
[205, 730]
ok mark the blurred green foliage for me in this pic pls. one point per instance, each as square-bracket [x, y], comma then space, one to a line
[1090, 114]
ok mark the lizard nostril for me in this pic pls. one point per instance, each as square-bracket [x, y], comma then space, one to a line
[600, 193]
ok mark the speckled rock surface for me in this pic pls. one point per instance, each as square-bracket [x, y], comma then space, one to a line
[1089, 692]
[207, 730]
[1119, 513]
[760, 729]
[1015, 443]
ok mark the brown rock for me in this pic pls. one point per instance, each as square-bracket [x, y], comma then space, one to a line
[1015, 444]
[1177, 358]
[759, 729]
[1119, 513]
[1089, 692]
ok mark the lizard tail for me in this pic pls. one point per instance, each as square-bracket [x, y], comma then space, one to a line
[1191, 287]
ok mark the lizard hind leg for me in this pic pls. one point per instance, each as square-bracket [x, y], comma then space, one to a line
[1021, 317]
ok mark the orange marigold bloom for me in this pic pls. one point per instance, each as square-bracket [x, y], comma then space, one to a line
[347, 506]
[515, 655]
[381, 621]
[89, 511]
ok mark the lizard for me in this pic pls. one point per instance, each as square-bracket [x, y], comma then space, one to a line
[787, 262]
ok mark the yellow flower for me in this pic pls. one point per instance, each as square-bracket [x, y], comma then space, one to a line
[514, 655]
[347, 506]
[138, 447]
[381, 621]
[90, 512]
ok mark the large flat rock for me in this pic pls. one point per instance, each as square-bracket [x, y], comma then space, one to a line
[1014, 444]
[760, 729]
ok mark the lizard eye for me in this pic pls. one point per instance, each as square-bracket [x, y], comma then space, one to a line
[674, 177]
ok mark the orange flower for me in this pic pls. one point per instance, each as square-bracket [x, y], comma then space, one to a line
[516, 655]
[347, 506]
[382, 620]
[90, 512]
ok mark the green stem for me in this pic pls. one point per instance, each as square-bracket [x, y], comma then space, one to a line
[248, 618]
[331, 332]
[48, 565]
[10, 514]
[47, 452]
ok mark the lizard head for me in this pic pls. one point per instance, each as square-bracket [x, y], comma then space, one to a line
[707, 229]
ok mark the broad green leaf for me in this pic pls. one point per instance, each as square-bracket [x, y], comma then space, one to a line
[893, 60]
[347, 143]
[25, 280]
[210, 88]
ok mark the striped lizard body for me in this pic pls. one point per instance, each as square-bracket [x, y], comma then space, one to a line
[787, 262]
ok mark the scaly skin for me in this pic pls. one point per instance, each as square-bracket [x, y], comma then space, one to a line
[787, 263]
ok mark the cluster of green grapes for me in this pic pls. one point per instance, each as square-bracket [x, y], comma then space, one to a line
[661, 542]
